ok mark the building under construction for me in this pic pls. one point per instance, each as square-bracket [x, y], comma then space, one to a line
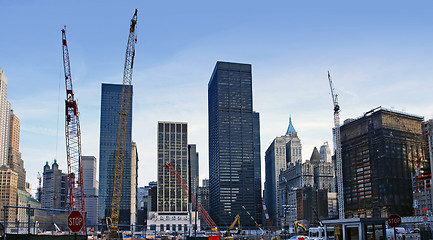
[381, 152]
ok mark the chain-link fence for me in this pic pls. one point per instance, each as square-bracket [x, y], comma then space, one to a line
[20, 220]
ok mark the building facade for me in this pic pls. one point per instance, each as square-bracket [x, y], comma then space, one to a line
[193, 156]
[5, 108]
[172, 201]
[55, 187]
[381, 151]
[325, 152]
[91, 189]
[15, 162]
[294, 146]
[232, 144]
[111, 95]
[8, 192]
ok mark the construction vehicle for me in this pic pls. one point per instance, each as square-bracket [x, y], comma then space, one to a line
[232, 226]
[73, 138]
[113, 221]
[337, 145]
[299, 224]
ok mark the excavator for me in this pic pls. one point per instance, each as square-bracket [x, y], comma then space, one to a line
[229, 231]
[299, 224]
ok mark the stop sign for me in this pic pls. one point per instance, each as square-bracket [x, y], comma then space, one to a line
[75, 221]
[394, 220]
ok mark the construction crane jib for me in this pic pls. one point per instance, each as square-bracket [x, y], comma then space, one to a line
[337, 145]
[73, 137]
[122, 129]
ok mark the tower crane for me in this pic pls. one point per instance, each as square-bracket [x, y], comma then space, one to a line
[73, 137]
[113, 221]
[337, 144]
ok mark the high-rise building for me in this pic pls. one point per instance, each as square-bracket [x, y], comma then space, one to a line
[428, 131]
[172, 148]
[5, 107]
[325, 152]
[275, 162]
[172, 201]
[232, 144]
[381, 151]
[55, 188]
[193, 156]
[15, 162]
[134, 181]
[277, 157]
[294, 146]
[91, 189]
[111, 95]
[8, 192]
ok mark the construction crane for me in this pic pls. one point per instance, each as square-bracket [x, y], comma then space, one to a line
[265, 210]
[299, 224]
[197, 204]
[73, 137]
[113, 221]
[337, 144]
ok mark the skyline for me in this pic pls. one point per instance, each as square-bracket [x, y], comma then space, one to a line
[379, 54]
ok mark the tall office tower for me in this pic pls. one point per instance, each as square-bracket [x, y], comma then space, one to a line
[325, 152]
[257, 168]
[275, 162]
[428, 130]
[173, 148]
[134, 181]
[111, 95]
[5, 107]
[193, 156]
[15, 161]
[294, 146]
[9, 192]
[205, 182]
[381, 151]
[91, 187]
[232, 144]
[55, 188]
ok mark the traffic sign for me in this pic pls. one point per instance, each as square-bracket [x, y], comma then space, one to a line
[75, 221]
[394, 220]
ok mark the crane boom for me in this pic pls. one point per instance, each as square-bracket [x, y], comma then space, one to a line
[73, 137]
[337, 144]
[185, 189]
[122, 129]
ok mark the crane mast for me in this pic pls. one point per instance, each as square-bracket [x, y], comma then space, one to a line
[122, 130]
[73, 137]
[337, 144]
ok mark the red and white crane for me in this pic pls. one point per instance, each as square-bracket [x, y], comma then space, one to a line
[73, 137]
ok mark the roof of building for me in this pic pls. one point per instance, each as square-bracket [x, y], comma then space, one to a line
[290, 129]
[315, 156]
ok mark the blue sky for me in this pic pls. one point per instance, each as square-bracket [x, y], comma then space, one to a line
[379, 54]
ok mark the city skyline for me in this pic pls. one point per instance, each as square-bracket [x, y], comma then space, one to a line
[378, 55]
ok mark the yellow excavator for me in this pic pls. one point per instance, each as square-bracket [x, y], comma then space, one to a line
[299, 224]
[229, 231]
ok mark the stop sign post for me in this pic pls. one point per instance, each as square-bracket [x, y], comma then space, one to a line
[75, 221]
[394, 220]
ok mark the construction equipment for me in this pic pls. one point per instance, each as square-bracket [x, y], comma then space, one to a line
[267, 215]
[337, 145]
[113, 221]
[197, 204]
[254, 220]
[299, 224]
[73, 138]
[230, 229]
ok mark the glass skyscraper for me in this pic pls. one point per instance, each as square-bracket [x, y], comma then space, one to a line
[234, 146]
[110, 107]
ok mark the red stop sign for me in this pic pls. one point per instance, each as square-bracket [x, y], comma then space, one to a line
[394, 220]
[75, 221]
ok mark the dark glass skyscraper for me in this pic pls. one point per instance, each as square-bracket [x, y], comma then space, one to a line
[110, 107]
[234, 146]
